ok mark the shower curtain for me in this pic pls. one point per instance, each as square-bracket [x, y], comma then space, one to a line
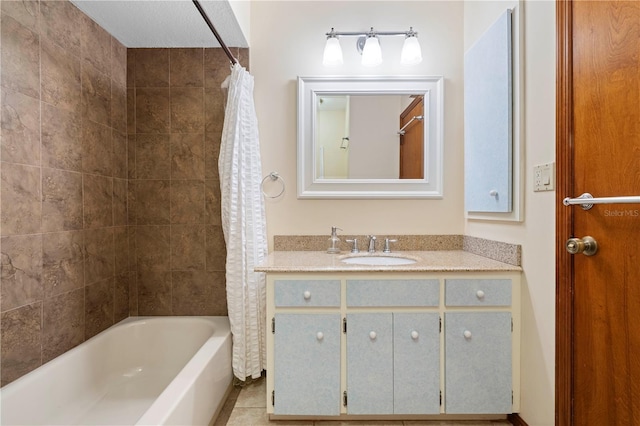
[244, 225]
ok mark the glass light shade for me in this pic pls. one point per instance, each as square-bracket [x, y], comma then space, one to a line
[332, 56]
[411, 52]
[371, 54]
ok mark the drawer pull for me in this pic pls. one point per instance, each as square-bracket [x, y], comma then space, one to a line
[467, 334]
[414, 335]
[319, 335]
[372, 335]
[480, 294]
[306, 295]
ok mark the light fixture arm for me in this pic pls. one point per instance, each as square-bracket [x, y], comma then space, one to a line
[368, 45]
[371, 33]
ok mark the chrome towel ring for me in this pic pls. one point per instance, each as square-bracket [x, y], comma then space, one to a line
[273, 176]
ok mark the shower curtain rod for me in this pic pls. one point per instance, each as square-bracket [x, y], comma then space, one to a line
[215, 33]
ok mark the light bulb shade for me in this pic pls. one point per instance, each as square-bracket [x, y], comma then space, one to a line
[371, 54]
[332, 56]
[411, 52]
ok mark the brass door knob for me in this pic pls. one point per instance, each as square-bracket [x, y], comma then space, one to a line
[587, 246]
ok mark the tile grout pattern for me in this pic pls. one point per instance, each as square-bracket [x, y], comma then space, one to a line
[63, 182]
[246, 406]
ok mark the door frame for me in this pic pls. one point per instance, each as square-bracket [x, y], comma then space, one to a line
[564, 217]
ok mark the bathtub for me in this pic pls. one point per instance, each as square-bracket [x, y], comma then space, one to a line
[141, 371]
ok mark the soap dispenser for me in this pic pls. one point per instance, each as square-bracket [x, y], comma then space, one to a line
[334, 241]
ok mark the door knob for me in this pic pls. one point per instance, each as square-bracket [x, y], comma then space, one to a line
[587, 246]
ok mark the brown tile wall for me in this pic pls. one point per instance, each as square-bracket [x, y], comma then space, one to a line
[176, 112]
[63, 213]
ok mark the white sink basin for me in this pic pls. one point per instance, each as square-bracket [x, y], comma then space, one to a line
[378, 260]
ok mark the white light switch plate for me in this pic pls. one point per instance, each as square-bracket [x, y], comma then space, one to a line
[544, 177]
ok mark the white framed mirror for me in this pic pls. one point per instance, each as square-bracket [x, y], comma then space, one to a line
[370, 137]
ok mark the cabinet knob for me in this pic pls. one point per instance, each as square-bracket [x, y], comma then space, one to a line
[493, 193]
[319, 335]
[372, 335]
[306, 295]
[414, 335]
[480, 294]
[467, 334]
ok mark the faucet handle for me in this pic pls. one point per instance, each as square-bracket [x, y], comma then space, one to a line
[386, 245]
[354, 248]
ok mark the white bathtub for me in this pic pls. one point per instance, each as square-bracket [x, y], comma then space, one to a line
[141, 371]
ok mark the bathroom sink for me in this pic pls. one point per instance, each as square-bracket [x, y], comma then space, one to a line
[379, 260]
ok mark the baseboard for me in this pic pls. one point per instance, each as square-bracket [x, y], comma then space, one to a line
[516, 420]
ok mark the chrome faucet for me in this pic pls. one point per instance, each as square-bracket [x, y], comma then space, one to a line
[372, 243]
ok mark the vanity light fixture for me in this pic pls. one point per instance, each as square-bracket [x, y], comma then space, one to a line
[371, 53]
[368, 45]
[332, 52]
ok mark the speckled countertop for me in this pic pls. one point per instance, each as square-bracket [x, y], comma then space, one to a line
[426, 261]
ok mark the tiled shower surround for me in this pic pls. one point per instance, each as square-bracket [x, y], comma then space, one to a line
[109, 202]
[176, 113]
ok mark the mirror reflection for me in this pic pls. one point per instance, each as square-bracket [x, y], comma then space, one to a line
[370, 136]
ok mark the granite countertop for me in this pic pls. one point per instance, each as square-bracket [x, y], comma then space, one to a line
[426, 261]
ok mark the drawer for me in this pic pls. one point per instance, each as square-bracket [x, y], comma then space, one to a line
[393, 292]
[300, 293]
[477, 292]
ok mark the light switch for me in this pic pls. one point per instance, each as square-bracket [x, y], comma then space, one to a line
[544, 177]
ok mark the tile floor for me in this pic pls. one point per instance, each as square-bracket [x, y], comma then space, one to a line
[247, 407]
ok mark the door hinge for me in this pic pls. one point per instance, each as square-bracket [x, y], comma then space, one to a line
[344, 325]
[511, 397]
[273, 325]
[273, 398]
[344, 398]
[440, 398]
[440, 324]
[512, 325]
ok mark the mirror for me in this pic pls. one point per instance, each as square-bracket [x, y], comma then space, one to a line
[370, 137]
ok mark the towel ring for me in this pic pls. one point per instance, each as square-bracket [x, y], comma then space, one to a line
[274, 176]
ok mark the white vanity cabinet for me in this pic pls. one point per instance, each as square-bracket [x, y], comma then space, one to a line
[393, 363]
[478, 342]
[393, 357]
[393, 344]
[306, 348]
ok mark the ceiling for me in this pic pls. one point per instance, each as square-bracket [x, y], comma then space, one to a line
[169, 23]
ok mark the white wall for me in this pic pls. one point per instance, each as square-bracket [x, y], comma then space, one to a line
[330, 131]
[288, 40]
[374, 143]
[536, 233]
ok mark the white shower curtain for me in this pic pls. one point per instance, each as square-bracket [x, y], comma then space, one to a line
[244, 225]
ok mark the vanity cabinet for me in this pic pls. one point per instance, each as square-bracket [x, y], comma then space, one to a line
[393, 344]
[393, 357]
[306, 349]
[307, 364]
[478, 362]
[393, 363]
[478, 341]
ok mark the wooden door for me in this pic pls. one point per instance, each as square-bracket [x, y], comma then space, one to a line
[598, 151]
[412, 142]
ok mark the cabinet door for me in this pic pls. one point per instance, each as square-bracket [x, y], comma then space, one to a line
[416, 363]
[370, 363]
[307, 364]
[478, 363]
